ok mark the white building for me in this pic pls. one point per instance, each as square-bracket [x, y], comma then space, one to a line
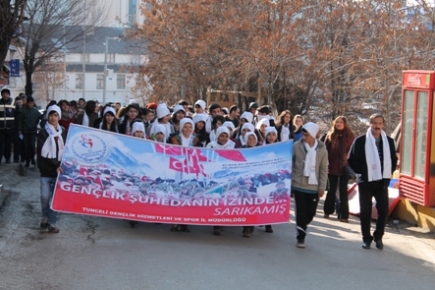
[79, 71]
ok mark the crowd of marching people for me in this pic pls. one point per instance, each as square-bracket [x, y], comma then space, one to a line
[318, 161]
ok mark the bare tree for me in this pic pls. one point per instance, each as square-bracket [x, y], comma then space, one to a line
[48, 34]
[11, 19]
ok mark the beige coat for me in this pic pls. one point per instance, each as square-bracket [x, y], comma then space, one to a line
[298, 178]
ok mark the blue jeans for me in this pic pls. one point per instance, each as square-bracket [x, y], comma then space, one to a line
[47, 188]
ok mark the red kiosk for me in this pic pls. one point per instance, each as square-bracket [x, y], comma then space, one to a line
[417, 144]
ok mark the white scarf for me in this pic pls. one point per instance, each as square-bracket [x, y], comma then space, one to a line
[242, 140]
[214, 144]
[212, 135]
[85, 120]
[372, 157]
[49, 148]
[285, 133]
[310, 163]
[187, 142]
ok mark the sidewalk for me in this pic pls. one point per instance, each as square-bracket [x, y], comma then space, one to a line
[9, 178]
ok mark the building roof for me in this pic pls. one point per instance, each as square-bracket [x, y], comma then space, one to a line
[128, 69]
[94, 40]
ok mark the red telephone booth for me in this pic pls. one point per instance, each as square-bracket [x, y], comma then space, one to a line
[417, 148]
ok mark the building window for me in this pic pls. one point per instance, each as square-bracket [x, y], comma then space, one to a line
[100, 81]
[136, 59]
[85, 57]
[13, 82]
[120, 81]
[110, 58]
[79, 81]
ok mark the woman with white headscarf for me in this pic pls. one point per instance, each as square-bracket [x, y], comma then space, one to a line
[108, 121]
[186, 137]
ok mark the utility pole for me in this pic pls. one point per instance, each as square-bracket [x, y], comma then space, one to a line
[105, 66]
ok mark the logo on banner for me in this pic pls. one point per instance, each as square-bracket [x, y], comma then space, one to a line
[90, 148]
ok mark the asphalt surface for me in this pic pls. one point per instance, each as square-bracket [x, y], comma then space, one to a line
[102, 253]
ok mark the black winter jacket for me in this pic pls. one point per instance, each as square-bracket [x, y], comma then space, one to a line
[357, 157]
[47, 166]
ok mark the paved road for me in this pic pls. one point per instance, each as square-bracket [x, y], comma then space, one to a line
[99, 253]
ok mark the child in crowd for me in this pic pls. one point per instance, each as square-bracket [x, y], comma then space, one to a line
[131, 113]
[222, 139]
[163, 117]
[261, 129]
[247, 127]
[178, 113]
[108, 122]
[271, 137]
[185, 138]
[216, 123]
[158, 134]
[245, 118]
[138, 130]
[250, 141]
[230, 126]
[200, 120]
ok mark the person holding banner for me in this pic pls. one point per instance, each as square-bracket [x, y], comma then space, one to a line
[310, 174]
[251, 140]
[158, 134]
[271, 136]
[50, 148]
[163, 117]
[222, 139]
[132, 112]
[185, 138]
[138, 129]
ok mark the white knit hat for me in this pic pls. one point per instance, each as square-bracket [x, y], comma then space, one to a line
[248, 116]
[201, 103]
[311, 128]
[158, 128]
[248, 126]
[270, 130]
[222, 129]
[54, 108]
[109, 109]
[262, 122]
[200, 117]
[184, 121]
[138, 126]
[247, 136]
[229, 124]
[178, 108]
[162, 110]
